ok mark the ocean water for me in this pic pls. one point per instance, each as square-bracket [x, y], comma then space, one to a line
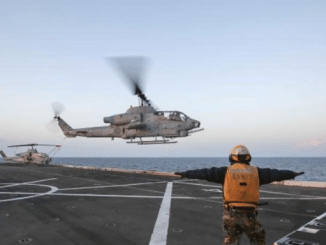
[314, 167]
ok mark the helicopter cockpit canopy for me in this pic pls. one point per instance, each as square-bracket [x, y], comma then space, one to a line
[33, 150]
[29, 151]
[172, 115]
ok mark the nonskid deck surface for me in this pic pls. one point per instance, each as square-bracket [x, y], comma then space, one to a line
[57, 205]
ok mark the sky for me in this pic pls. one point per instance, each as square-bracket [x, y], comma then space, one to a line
[252, 72]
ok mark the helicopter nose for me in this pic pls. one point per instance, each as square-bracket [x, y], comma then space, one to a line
[196, 124]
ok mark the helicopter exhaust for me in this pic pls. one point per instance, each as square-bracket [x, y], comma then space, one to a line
[122, 119]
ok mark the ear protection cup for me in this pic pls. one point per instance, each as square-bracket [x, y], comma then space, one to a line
[235, 158]
[249, 158]
[231, 159]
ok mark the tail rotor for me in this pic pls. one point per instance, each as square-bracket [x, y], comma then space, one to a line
[58, 108]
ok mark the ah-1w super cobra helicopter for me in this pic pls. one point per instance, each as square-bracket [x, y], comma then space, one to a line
[31, 156]
[138, 122]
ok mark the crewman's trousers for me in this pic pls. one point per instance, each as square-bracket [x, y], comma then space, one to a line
[237, 221]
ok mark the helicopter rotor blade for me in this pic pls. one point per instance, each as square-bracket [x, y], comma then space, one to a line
[21, 145]
[48, 145]
[33, 144]
[132, 68]
[58, 108]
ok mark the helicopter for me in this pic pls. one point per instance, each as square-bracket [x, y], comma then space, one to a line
[31, 156]
[141, 121]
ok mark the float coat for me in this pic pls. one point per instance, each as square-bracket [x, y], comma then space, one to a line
[241, 186]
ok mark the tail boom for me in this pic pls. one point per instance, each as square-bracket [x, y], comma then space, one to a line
[68, 131]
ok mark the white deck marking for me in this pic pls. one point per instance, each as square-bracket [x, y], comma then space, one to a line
[321, 216]
[123, 196]
[25, 183]
[185, 180]
[302, 227]
[101, 195]
[104, 195]
[53, 192]
[219, 186]
[86, 195]
[213, 186]
[286, 212]
[212, 190]
[107, 186]
[288, 194]
[293, 198]
[53, 189]
[272, 192]
[285, 198]
[308, 230]
[160, 232]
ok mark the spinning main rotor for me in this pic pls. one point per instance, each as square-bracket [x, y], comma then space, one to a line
[132, 68]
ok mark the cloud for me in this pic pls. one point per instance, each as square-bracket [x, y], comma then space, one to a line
[319, 140]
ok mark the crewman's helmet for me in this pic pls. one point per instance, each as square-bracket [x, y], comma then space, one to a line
[240, 154]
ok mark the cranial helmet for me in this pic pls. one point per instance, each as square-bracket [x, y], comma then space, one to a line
[240, 154]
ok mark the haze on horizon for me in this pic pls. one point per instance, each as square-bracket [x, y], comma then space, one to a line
[251, 72]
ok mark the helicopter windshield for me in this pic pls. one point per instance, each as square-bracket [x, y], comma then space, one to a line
[172, 115]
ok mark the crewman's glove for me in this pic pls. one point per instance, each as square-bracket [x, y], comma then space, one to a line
[182, 174]
[298, 173]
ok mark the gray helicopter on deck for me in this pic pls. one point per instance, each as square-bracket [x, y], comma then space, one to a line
[138, 122]
[31, 156]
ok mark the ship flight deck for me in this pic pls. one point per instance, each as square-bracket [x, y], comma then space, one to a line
[63, 205]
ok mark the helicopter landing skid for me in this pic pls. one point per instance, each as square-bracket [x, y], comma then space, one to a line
[152, 142]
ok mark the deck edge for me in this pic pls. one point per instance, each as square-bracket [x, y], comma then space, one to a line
[118, 170]
[296, 183]
[309, 184]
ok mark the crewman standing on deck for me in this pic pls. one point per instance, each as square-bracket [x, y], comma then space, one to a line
[241, 183]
